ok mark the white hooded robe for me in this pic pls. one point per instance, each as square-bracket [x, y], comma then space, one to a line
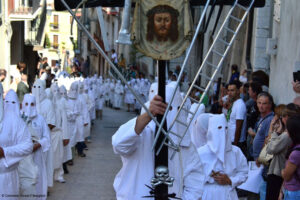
[101, 94]
[66, 132]
[15, 140]
[40, 133]
[138, 162]
[45, 108]
[118, 95]
[219, 155]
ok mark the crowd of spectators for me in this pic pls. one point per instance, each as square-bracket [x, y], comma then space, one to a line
[259, 128]
[266, 133]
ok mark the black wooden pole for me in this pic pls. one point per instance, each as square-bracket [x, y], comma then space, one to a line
[161, 191]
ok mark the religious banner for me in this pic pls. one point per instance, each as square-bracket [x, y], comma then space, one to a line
[162, 29]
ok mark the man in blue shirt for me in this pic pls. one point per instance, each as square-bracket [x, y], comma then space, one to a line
[265, 106]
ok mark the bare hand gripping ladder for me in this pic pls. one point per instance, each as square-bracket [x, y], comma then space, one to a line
[227, 42]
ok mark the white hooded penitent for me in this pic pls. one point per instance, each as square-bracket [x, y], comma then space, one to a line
[218, 156]
[138, 159]
[40, 133]
[15, 141]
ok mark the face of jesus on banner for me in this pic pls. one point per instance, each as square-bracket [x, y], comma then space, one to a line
[162, 23]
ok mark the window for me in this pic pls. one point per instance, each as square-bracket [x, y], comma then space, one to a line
[30, 3]
[55, 42]
[55, 22]
[56, 19]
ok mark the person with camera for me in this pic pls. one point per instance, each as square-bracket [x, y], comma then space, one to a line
[277, 145]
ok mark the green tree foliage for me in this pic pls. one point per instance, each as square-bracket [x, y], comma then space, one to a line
[47, 41]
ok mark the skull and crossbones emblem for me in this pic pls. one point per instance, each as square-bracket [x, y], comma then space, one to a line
[162, 177]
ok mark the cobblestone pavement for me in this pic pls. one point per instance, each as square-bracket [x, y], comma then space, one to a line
[91, 178]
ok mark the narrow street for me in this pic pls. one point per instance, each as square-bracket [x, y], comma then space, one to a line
[91, 178]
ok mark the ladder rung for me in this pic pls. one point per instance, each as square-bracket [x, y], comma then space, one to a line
[223, 41]
[171, 132]
[215, 66]
[199, 88]
[192, 99]
[171, 146]
[218, 53]
[205, 76]
[242, 7]
[182, 123]
[230, 30]
[235, 18]
[186, 110]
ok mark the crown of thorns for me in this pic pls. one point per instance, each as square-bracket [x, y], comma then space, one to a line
[162, 9]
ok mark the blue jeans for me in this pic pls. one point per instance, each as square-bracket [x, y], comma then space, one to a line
[291, 195]
[263, 190]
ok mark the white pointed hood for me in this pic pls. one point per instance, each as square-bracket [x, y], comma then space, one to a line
[217, 136]
[49, 94]
[11, 110]
[63, 91]
[81, 87]
[38, 90]
[73, 92]
[55, 94]
[11, 103]
[29, 106]
[55, 90]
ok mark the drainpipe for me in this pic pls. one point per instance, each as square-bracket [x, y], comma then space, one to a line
[249, 41]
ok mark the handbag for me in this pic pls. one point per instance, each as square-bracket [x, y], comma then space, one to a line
[265, 158]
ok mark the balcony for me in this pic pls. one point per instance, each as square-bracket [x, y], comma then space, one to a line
[37, 28]
[23, 10]
[54, 26]
[54, 45]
